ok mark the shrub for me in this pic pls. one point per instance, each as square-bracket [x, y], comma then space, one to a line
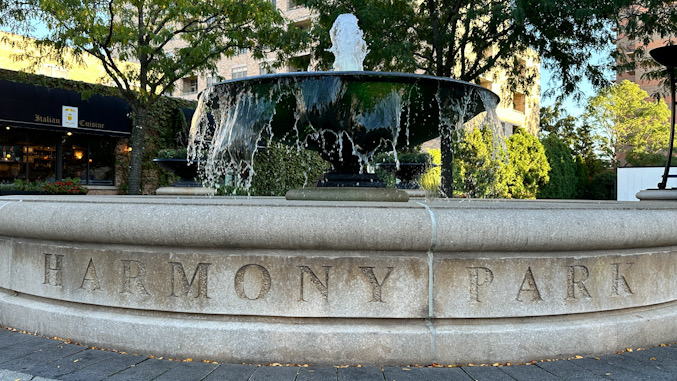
[563, 182]
[280, 168]
[603, 186]
[67, 186]
[431, 180]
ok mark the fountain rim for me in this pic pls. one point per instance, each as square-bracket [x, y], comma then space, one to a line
[373, 76]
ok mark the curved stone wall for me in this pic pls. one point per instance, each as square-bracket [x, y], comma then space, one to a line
[270, 280]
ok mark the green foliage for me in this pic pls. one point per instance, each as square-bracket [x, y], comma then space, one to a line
[528, 166]
[564, 180]
[431, 180]
[172, 153]
[603, 186]
[627, 122]
[482, 168]
[479, 165]
[65, 186]
[280, 168]
[647, 159]
[27, 185]
[467, 39]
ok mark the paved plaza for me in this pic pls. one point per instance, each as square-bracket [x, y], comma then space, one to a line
[32, 358]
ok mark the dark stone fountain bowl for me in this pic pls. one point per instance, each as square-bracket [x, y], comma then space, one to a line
[346, 116]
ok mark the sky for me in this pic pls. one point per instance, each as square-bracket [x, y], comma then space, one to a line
[573, 108]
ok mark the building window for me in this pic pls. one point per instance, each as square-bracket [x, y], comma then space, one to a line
[519, 102]
[300, 63]
[213, 79]
[241, 51]
[189, 85]
[239, 72]
[291, 4]
[51, 70]
[266, 69]
[274, 2]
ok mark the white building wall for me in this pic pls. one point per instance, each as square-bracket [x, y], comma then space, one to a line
[634, 179]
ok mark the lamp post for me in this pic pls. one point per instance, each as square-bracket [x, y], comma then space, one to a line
[667, 56]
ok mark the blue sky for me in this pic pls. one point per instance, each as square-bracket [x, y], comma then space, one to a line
[574, 108]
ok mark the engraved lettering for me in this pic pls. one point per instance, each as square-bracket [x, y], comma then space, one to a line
[90, 277]
[576, 275]
[620, 285]
[323, 288]
[531, 287]
[53, 270]
[137, 277]
[200, 274]
[376, 287]
[264, 285]
[477, 273]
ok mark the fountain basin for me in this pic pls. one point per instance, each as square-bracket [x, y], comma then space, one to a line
[345, 116]
[267, 280]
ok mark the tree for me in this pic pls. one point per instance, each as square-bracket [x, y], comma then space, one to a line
[146, 46]
[563, 182]
[484, 170]
[581, 141]
[527, 167]
[479, 165]
[627, 122]
[467, 39]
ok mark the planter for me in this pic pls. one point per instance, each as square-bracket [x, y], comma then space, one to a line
[187, 173]
[408, 173]
[10, 192]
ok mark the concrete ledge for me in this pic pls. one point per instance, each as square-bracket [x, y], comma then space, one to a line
[342, 341]
[271, 280]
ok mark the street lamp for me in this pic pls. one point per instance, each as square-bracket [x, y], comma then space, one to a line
[667, 56]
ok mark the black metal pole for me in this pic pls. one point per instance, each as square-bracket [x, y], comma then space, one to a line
[666, 172]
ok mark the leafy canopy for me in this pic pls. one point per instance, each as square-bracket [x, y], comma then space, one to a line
[466, 39]
[482, 168]
[145, 46]
[628, 123]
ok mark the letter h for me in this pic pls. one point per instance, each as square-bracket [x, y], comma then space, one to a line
[53, 269]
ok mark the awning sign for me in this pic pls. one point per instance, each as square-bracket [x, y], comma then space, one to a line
[69, 116]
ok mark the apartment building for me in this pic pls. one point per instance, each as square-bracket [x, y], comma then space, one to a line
[652, 87]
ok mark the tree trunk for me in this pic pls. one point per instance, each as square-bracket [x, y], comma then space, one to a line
[447, 164]
[136, 157]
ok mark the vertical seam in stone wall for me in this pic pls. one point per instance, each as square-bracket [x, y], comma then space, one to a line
[10, 284]
[431, 278]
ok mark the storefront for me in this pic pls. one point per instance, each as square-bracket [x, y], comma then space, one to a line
[51, 134]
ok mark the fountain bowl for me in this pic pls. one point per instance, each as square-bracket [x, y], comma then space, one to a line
[345, 116]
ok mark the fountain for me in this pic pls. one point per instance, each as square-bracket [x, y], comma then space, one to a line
[263, 280]
[347, 116]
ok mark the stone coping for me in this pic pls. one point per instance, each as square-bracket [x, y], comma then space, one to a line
[448, 226]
